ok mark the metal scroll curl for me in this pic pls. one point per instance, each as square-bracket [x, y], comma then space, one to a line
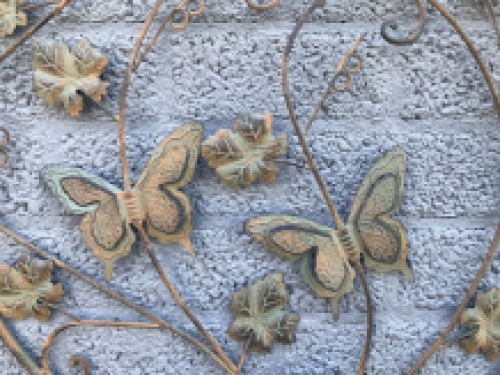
[392, 25]
[78, 360]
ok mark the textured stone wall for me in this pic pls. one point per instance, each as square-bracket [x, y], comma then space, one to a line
[429, 98]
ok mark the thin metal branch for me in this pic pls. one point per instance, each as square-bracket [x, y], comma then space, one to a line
[331, 85]
[493, 17]
[263, 7]
[243, 356]
[338, 221]
[127, 185]
[141, 310]
[34, 29]
[293, 118]
[18, 351]
[369, 318]
[88, 323]
[470, 293]
[168, 20]
[180, 302]
[487, 76]
[393, 25]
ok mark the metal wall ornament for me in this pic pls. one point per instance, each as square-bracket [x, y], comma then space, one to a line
[11, 15]
[155, 200]
[260, 315]
[26, 289]
[247, 154]
[369, 230]
[60, 74]
[482, 325]
[133, 203]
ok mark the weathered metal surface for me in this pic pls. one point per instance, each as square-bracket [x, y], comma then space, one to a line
[247, 154]
[60, 73]
[155, 199]
[11, 16]
[484, 320]
[26, 289]
[370, 231]
[260, 314]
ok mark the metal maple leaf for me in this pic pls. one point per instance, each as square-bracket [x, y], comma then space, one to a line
[11, 16]
[260, 317]
[61, 74]
[243, 156]
[26, 289]
[484, 321]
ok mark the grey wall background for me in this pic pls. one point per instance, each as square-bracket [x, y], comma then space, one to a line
[429, 98]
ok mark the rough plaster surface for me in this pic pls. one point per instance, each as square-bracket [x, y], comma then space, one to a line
[429, 98]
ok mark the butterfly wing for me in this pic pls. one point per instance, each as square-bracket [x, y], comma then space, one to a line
[325, 267]
[103, 228]
[170, 167]
[381, 238]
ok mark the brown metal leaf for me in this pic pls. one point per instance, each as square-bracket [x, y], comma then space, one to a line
[61, 74]
[26, 289]
[484, 320]
[243, 156]
[260, 317]
[11, 16]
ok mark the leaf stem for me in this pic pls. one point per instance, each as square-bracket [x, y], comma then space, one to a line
[472, 289]
[63, 4]
[141, 310]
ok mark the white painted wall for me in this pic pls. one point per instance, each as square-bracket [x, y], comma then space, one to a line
[429, 98]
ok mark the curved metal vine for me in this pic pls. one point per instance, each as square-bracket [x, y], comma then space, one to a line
[339, 223]
[79, 360]
[183, 12]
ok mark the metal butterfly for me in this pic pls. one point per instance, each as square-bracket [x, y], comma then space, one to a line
[155, 199]
[370, 231]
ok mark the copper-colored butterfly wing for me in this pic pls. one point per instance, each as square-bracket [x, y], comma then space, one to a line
[104, 229]
[171, 166]
[382, 239]
[325, 267]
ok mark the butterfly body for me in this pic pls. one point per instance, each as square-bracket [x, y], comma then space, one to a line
[370, 230]
[154, 201]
